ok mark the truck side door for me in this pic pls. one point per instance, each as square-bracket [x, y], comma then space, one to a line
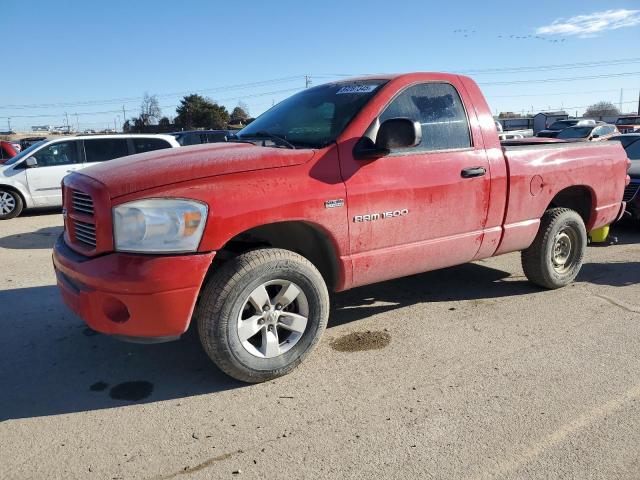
[424, 207]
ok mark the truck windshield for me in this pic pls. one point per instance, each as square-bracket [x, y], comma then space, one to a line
[575, 132]
[314, 117]
[24, 153]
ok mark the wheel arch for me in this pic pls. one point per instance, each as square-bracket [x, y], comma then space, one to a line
[26, 203]
[305, 238]
[579, 198]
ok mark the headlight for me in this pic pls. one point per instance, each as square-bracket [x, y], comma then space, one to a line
[159, 225]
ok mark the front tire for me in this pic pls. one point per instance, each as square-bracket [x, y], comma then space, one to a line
[555, 257]
[11, 204]
[262, 313]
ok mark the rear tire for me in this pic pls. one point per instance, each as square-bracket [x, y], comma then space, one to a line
[555, 257]
[11, 204]
[262, 313]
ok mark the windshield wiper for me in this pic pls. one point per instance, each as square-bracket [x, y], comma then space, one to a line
[272, 136]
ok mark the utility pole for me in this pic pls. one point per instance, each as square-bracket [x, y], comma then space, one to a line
[124, 115]
[638, 103]
[621, 94]
[115, 128]
[9, 122]
[77, 122]
[307, 81]
[66, 116]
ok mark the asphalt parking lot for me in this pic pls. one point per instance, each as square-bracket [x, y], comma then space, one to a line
[468, 373]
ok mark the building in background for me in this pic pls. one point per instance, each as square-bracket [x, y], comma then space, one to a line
[543, 120]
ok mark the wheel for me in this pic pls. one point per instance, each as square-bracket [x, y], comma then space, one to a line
[262, 313]
[10, 204]
[555, 257]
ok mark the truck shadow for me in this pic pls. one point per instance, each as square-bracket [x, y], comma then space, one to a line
[471, 281]
[614, 274]
[51, 364]
[43, 238]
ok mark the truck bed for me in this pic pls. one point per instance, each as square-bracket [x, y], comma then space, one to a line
[540, 171]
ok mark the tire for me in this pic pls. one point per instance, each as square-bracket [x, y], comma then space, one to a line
[555, 257]
[228, 310]
[11, 204]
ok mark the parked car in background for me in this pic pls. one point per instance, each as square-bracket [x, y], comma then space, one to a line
[628, 124]
[556, 127]
[28, 141]
[196, 137]
[597, 132]
[32, 178]
[631, 144]
[7, 151]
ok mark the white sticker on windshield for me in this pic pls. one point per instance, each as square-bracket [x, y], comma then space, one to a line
[356, 89]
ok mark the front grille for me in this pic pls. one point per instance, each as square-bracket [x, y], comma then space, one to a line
[630, 192]
[85, 233]
[82, 202]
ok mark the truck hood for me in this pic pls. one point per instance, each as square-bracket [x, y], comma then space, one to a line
[170, 166]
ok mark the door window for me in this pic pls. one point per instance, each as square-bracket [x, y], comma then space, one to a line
[191, 139]
[439, 109]
[62, 153]
[216, 137]
[141, 145]
[99, 150]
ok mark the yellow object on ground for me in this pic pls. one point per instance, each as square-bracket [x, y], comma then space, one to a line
[600, 235]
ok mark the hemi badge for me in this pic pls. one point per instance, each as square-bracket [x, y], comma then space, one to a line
[334, 203]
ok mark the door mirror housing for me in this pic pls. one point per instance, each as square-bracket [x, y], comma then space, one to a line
[392, 134]
[398, 133]
[31, 162]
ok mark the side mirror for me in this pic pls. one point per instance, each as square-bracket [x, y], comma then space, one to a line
[31, 162]
[393, 133]
[399, 133]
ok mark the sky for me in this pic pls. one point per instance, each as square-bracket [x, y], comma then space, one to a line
[89, 59]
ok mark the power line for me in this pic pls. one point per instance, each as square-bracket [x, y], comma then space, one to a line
[104, 112]
[164, 95]
[557, 93]
[564, 79]
[307, 79]
[521, 69]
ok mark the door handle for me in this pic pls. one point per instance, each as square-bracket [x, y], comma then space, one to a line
[473, 172]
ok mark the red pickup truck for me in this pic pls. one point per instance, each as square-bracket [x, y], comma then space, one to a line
[341, 185]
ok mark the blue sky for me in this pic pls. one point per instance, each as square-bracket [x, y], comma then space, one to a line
[93, 57]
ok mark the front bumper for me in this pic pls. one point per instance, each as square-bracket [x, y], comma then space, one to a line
[131, 296]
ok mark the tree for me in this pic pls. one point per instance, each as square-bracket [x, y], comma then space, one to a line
[164, 122]
[240, 114]
[126, 127]
[150, 111]
[602, 109]
[508, 115]
[196, 111]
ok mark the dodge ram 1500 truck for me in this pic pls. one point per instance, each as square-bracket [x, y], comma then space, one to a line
[340, 185]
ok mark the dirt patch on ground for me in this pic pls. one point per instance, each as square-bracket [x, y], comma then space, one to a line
[360, 341]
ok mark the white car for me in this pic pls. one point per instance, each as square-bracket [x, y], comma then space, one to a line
[32, 178]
